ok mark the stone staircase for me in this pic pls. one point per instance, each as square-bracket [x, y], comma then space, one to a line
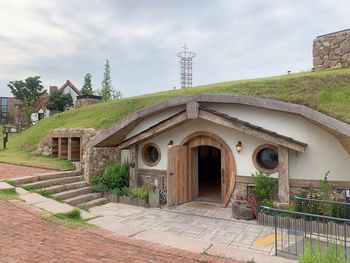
[68, 187]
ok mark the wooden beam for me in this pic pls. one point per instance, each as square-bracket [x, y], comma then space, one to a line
[164, 126]
[283, 174]
[249, 130]
[59, 148]
[133, 171]
[69, 153]
[192, 110]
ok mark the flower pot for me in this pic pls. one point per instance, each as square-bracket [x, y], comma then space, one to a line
[241, 210]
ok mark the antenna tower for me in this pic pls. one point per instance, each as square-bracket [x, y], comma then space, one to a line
[186, 66]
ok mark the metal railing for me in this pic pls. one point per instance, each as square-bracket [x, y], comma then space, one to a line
[323, 207]
[293, 230]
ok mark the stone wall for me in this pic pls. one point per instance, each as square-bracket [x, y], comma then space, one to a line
[85, 100]
[332, 50]
[147, 177]
[93, 160]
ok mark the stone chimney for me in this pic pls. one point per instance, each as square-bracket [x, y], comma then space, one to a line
[52, 89]
[332, 50]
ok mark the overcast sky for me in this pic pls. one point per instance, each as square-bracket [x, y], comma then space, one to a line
[233, 39]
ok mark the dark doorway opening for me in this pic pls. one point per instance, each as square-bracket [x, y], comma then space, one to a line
[209, 174]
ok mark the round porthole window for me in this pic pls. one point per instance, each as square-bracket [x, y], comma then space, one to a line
[151, 154]
[265, 158]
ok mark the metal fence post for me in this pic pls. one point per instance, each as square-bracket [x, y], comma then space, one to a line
[275, 219]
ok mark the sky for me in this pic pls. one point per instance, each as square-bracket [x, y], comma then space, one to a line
[233, 39]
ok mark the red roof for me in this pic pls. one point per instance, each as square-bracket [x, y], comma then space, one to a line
[69, 83]
[42, 102]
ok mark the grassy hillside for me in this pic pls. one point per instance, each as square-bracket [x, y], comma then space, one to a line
[326, 91]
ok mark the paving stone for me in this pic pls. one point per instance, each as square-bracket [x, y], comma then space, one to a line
[117, 227]
[173, 241]
[5, 186]
[21, 191]
[53, 206]
[33, 198]
[246, 254]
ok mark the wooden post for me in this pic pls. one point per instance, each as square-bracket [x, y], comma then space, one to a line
[59, 148]
[69, 153]
[283, 174]
[133, 166]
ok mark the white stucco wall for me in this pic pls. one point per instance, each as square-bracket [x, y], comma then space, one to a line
[153, 120]
[323, 152]
[69, 90]
[124, 155]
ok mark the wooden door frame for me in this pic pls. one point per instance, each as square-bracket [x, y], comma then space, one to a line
[228, 166]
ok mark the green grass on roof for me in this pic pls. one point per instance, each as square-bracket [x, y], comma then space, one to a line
[327, 91]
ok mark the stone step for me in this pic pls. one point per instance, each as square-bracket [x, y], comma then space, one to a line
[41, 177]
[65, 187]
[94, 202]
[58, 181]
[74, 192]
[82, 198]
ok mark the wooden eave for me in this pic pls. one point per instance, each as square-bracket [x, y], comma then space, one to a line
[194, 112]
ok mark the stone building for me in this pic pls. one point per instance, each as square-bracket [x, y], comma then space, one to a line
[332, 50]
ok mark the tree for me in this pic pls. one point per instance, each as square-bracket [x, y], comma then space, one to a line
[107, 91]
[59, 101]
[28, 91]
[87, 87]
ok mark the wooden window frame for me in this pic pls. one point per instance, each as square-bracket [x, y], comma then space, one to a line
[147, 160]
[257, 166]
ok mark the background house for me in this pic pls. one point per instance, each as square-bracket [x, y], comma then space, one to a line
[41, 111]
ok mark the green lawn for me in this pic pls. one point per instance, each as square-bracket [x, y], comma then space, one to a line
[327, 91]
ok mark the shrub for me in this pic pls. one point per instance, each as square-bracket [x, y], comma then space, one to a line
[115, 176]
[264, 189]
[98, 185]
[126, 191]
[140, 192]
[320, 208]
[331, 254]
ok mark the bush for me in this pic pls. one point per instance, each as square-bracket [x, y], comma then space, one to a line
[320, 208]
[125, 191]
[331, 254]
[264, 189]
[114, 178]
[140, 192]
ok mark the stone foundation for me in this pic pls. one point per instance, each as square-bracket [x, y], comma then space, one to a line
[332, 50]
[147, 177]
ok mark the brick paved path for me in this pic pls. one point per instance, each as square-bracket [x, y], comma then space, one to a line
[9, 171]
[24, 237]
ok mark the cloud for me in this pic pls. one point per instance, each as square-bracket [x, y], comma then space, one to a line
[61, 40]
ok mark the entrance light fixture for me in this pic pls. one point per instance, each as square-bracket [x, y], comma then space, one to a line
[170, 144]
[239, 146]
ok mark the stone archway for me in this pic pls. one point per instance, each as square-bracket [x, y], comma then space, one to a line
[228, 166]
